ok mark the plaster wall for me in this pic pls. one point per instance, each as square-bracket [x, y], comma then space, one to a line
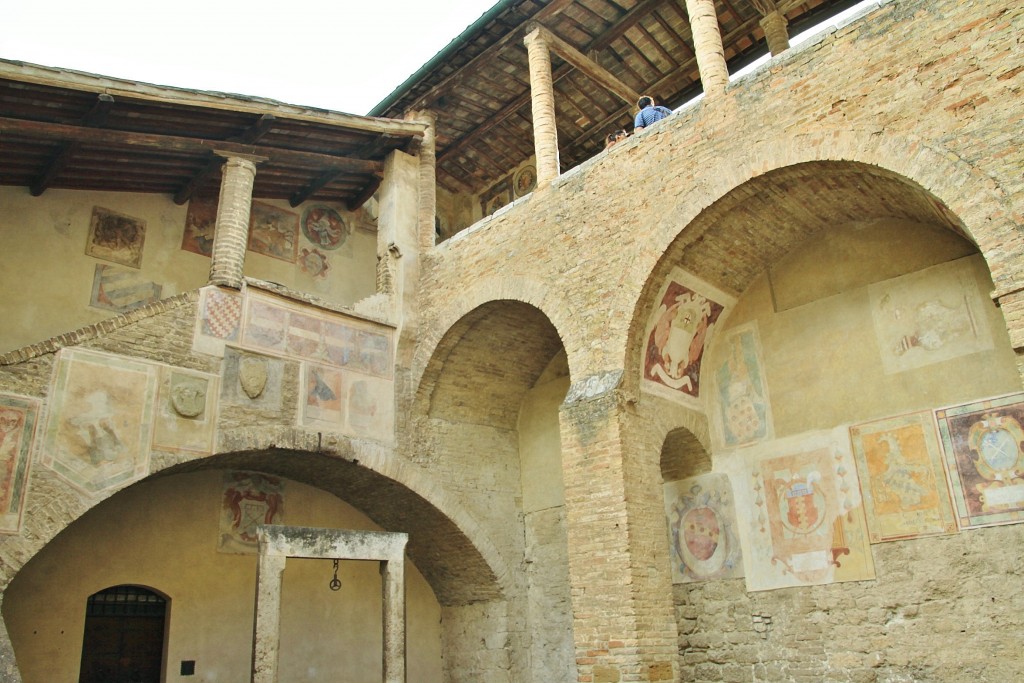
[162, 534]
[822, 357]
[54, 229]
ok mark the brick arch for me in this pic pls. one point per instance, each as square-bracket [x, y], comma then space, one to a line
[973, 196]
[479, 293]
[448, 546]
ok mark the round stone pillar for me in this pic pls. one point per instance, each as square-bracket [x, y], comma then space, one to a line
[231, 234]
[542, 95]
[707, 43]
[775, 32]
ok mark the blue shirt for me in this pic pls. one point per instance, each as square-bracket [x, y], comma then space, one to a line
[650, 114]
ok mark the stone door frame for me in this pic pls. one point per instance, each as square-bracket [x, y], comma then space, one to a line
[277, 543]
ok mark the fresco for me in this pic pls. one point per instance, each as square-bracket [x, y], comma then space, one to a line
[116, 237]
[677, 334]
[321, 338]
[704, 543]
[218, 320]
[930, 316]
[324, 396]
[100, 420]
[902, 478]
[200, 224]
[121, 290]
[248, 500]
[804, 521]
[19, 417]
[186, 404]
[273, 232]
[983, 445]
[324, 227]
[743, 413]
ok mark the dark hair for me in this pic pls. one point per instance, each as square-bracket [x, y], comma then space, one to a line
[644, 101]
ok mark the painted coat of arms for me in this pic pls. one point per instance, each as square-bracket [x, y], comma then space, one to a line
[803, 511]
[702, 529]
[248, 500]
[984, 450]
[902, 478]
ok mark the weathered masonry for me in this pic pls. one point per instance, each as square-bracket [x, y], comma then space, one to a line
[738, 399]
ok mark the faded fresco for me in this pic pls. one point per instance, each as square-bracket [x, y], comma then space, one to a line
[324, 227]
[121, 290]
[116, 237]
[252, 379]
[805, 522]
[248, 500]
[219, 320]
[326, 339]
[186, 404]
[677, 334]
[100, 421]
[983, 444]
[744, 413]
[273, 232]
[704, 542]
[324, 396]
[930, 316]
[19, 417]
[314, 263]
[902, 478]
[200, 225]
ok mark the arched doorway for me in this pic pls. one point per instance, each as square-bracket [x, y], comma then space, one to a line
[124, 636]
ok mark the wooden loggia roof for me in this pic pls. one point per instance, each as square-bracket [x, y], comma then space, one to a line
[478, 86]
[70, 130]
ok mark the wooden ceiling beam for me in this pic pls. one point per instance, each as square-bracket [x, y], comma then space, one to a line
[177, 143]
[252, 134]
[356, 202]
[426, 100]
[591, 69]
[604, 40]
[661, 83]
[97, 116]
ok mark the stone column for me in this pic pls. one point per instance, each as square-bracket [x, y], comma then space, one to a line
[707, 43]
[266, 641]
[774, 26]
[231, 234]
[542, 95]
[428, 178]
[624, 624]
[393, 589]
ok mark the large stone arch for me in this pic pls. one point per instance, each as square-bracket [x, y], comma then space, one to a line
[954, 192]
[477, 293]
[970, 193]
[446, 542]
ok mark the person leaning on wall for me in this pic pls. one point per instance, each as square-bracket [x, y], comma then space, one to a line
[612, 138]
[649, 113]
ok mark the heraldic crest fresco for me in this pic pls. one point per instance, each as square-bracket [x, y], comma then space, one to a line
[806, 521]
[248, 500]
[677, 333]
[704, 543]
[902, 478]
[984, 448]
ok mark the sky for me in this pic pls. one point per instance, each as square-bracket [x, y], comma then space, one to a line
[344, 55]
